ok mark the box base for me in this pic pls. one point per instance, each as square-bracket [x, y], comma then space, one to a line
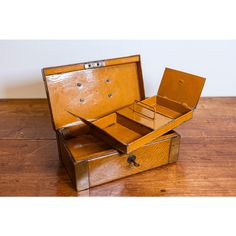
[91, 162]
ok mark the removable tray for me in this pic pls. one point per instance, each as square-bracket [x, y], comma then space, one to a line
[141, 122]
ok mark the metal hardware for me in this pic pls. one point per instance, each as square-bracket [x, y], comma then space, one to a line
[81, 175]
[174, 149]
[145, 106]
[131, 160]
[109, 95]
[94, 64]
[81, 100]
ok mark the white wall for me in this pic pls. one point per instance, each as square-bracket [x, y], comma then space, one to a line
[21, 62]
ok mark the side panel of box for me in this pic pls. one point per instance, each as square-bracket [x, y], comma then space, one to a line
[65, 158]
[174, 149]
[78, 172]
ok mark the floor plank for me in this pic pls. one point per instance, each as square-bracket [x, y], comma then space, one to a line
[214, 117]
[29, 164]
[25, 119]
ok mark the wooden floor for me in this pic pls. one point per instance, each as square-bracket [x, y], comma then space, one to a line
[29, 164]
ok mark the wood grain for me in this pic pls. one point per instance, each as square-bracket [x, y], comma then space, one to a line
[29, 164]
[176, 88]
[92, 93]
[102, 170]
[25, 119]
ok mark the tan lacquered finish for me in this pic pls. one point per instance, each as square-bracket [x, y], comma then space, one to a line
[141, 122]
[127, 131]
[112, 85]
[181, 87]
[91, 162]
[80, 66]
[174, 151]
[87, 146]
[92, 93]
[116, 166]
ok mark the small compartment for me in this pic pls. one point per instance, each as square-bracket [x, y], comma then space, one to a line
[149, 113]
[166, 107]
[121, 128]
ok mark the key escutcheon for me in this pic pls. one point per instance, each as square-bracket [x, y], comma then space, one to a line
[131, 160]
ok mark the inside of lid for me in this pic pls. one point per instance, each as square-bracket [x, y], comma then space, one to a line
[180, 87]
[93, 93]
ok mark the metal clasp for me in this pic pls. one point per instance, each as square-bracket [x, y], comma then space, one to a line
[94, 64]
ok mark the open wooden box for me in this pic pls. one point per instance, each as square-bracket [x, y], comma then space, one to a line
[94, 90]
[141, 122]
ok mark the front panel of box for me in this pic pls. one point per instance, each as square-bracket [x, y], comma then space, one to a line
[90, 162]
[106, 169]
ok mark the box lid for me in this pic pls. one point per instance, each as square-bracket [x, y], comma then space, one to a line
[181, 87]
[92, 89]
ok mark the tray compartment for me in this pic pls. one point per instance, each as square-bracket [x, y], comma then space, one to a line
[122, 128]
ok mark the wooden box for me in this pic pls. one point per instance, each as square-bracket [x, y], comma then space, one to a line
[131, 127]
[94, 90]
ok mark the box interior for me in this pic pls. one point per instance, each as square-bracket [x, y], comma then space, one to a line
[86, 146]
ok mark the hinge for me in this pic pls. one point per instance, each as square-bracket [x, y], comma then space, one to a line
[94, 64]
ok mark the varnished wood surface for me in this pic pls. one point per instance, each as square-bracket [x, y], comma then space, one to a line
[121, 129]
[29, 163]
[102, 170]
[92, 92]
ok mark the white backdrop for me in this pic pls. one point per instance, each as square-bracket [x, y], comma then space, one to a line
[21, 62]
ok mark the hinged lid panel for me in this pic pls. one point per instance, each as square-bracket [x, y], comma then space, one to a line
[92, 89]
[181, 87]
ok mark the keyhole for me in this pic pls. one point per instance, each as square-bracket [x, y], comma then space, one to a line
[131, 160]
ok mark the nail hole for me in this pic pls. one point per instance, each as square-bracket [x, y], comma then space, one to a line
[163, 190]
[107, 80]
[81, 100]
[109, 95]
[79, 84]
[180, 82]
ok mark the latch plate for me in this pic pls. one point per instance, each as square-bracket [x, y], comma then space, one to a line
[94, 64]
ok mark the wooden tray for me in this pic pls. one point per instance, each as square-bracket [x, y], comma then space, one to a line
[141, 122]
